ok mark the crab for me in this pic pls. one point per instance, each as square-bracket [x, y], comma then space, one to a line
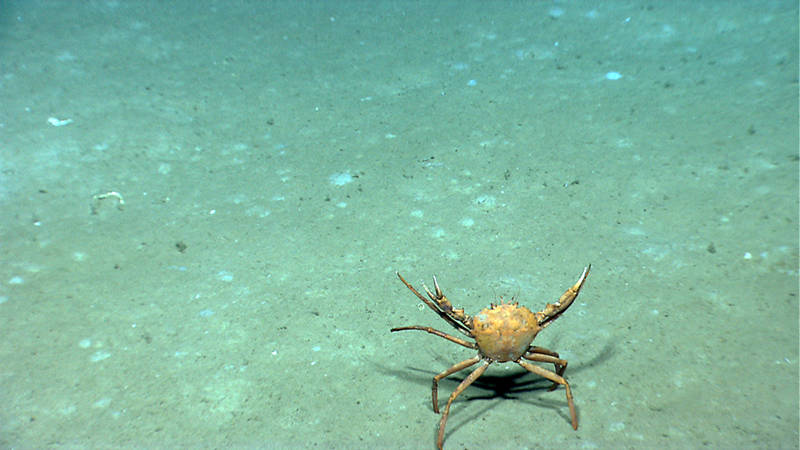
[502, 333]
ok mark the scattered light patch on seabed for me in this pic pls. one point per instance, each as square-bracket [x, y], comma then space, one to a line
[616, 426]
[635, 231]
[100, 355]
[340, 179]
[451, 255]
[102, 403]
[656, 252]
[224, 275]
[257, 211]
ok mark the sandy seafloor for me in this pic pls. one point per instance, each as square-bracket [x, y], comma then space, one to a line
[279, 161]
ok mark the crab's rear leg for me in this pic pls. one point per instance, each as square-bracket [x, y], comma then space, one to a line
[541, 354]
[542, 372]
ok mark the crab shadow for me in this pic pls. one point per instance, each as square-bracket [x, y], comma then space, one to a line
[517, 384]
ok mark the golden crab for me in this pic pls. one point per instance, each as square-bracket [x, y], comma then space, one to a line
[502, 333]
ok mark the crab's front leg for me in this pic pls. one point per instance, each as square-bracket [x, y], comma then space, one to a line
[442, 306]
[445, 304]
[553, 310]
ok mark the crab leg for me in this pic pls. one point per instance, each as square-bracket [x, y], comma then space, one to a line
[544, 355]
[436, 332]
[464, 384]
[555, 379]
[456, 368]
